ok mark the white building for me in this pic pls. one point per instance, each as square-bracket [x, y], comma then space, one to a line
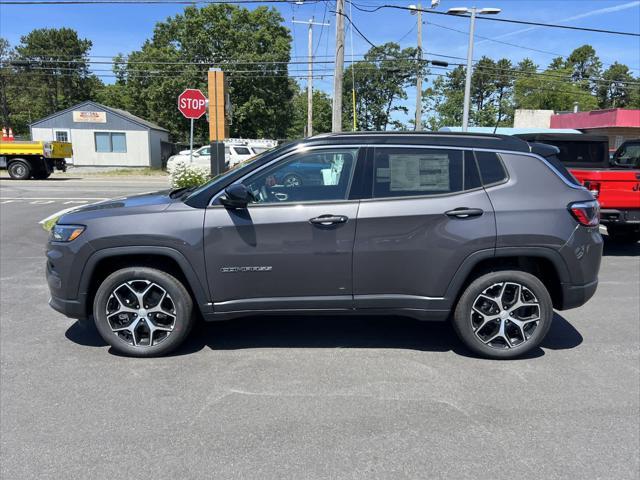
[105, 137]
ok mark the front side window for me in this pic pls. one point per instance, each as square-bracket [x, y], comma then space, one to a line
[110, 142]
[310, 176]
[405, 172]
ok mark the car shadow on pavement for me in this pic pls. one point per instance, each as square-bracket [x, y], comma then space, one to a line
[620, 249]
[386, 332]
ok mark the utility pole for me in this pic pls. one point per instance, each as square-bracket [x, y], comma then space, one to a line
[472, 12]
[418, 125]
[311, 23]
[336, 119]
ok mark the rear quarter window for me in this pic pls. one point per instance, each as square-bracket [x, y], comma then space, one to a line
[491, 168]
[562, 170]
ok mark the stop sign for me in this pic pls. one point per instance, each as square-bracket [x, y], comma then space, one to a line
[192, 103]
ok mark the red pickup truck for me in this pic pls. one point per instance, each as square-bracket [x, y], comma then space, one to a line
[615, 183]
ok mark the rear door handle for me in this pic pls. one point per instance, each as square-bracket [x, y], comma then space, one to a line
[328, 219]
[464, 212]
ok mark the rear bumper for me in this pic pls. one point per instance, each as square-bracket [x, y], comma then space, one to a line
[610, 216]
[574, 296]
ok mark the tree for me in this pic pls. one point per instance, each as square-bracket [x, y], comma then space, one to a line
[48, 71]
[55, 60]
[444, 100]
[616, 88]
[321, 112]
[551, 90]
[585, 66]
[381, 79]
[6, 54]
[252, 47]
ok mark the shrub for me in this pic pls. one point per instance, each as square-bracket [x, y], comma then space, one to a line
[183, 174]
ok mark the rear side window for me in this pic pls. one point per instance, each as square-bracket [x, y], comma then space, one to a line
[405, 172]
[491, 168]
[562, 170]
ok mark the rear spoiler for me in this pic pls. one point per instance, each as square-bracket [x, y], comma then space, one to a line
[543, 149]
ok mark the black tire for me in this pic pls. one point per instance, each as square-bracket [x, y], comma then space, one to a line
[41, 175]
[135, 277]
[514, 346]
[19, 169]
[624, 233]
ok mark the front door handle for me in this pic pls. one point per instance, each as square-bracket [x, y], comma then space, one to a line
[329, 219]
[464, 212]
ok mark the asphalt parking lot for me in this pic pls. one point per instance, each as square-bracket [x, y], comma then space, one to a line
[308, 397]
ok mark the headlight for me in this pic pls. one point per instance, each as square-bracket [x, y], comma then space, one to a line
[65, 233]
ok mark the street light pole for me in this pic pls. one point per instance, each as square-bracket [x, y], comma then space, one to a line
[467, 84]
[418, 122]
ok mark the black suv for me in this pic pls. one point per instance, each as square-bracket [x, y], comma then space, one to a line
[481, 230]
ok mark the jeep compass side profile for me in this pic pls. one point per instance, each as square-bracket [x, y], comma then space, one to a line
[487, 231]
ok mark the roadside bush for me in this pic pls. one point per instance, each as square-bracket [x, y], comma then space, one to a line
[183, 174]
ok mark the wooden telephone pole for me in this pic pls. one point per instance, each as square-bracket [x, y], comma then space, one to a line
[311, 23]
[336, 119]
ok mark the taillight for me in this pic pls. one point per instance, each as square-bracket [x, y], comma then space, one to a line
[593, 187]
[586, 213]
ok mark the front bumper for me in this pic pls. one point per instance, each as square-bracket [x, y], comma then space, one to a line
[69, 308]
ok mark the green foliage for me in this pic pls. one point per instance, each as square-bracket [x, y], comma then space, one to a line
[381, 80]
[618, 88]
[183, 174]
[552, 90]
[182, 49]
[46, 72]
[321, 112]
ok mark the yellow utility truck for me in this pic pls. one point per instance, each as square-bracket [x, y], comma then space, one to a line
[37, 159]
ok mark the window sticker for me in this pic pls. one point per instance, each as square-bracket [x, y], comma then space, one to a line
[423, 172]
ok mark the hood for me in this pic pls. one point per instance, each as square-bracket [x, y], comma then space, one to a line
[135, 204]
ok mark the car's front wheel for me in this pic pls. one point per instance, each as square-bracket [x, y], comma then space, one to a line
[142, 311]
[503, 314]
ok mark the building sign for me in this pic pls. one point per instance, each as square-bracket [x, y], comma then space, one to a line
[89, 117]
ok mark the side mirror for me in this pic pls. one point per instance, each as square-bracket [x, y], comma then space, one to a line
[236, 196]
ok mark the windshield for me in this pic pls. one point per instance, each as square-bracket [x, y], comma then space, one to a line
[628, 155]
[244, 164]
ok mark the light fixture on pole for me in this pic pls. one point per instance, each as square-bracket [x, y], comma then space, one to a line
[467, 84]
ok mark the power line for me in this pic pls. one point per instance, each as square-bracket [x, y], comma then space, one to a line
[499, 19]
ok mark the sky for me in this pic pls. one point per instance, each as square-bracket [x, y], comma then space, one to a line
[123, 28]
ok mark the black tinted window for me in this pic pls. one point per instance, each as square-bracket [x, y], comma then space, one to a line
[491, 168]
[402, 172]
[562, 170]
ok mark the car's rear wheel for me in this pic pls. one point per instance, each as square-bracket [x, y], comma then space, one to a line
[19, 170]
[143, 312]
[503, 314]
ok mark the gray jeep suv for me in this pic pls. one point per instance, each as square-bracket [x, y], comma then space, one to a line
[487, 231]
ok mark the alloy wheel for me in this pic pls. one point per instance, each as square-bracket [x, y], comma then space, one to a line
[505, 315]
[141, 313]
